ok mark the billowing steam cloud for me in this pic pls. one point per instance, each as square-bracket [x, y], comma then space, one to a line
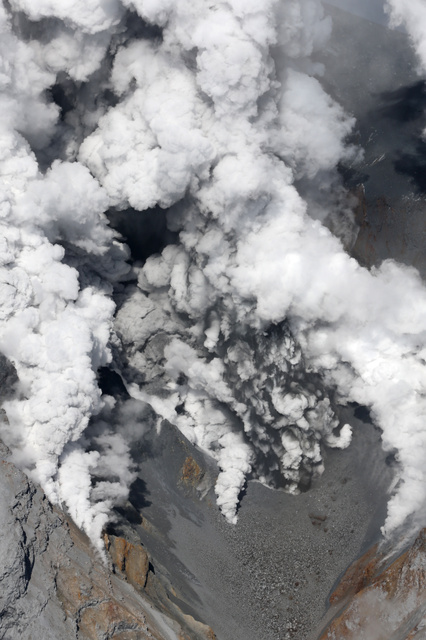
[221, 143]
[412, 15]
[54, 328]
[247, 330]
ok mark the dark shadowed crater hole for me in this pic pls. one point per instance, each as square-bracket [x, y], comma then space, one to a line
[111, 383]
[145, 232]
[64, 94]
[363, 413]
[137, 28]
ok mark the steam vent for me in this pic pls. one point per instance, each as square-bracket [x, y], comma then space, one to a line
[212, 320]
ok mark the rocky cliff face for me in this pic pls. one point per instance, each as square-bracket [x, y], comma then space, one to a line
[54, 585]
[380, 601]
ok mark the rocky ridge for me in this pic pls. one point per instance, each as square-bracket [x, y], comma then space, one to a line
[381, 600]
[55, 585]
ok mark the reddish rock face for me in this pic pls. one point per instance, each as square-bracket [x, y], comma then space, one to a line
[102, 605]
[377, 602]
[130, 559]
[191, 473]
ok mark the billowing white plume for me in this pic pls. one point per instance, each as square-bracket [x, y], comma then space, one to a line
[412, 15]
[247, 330]
[55, 331]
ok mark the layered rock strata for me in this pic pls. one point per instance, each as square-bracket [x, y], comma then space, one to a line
[380, 601]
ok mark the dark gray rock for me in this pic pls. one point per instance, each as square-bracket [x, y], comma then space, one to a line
[8, 377]
[29, 607]
[55, 586]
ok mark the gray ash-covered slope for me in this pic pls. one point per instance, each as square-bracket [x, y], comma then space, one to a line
[268, 576]
[379, 83]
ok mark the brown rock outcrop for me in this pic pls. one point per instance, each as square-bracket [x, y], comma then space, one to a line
[379, 603]
[130, 559]
[191, 473]
[101, 604]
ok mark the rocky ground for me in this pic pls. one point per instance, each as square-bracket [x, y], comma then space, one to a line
[54, 585]
[382, 600]
[269, 576]
[174, 567]
[172, 559]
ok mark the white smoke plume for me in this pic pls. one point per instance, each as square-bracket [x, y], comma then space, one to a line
[55, 331]
[412, 15]
[255, 323]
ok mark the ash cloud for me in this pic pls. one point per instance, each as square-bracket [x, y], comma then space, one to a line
[246, 331]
